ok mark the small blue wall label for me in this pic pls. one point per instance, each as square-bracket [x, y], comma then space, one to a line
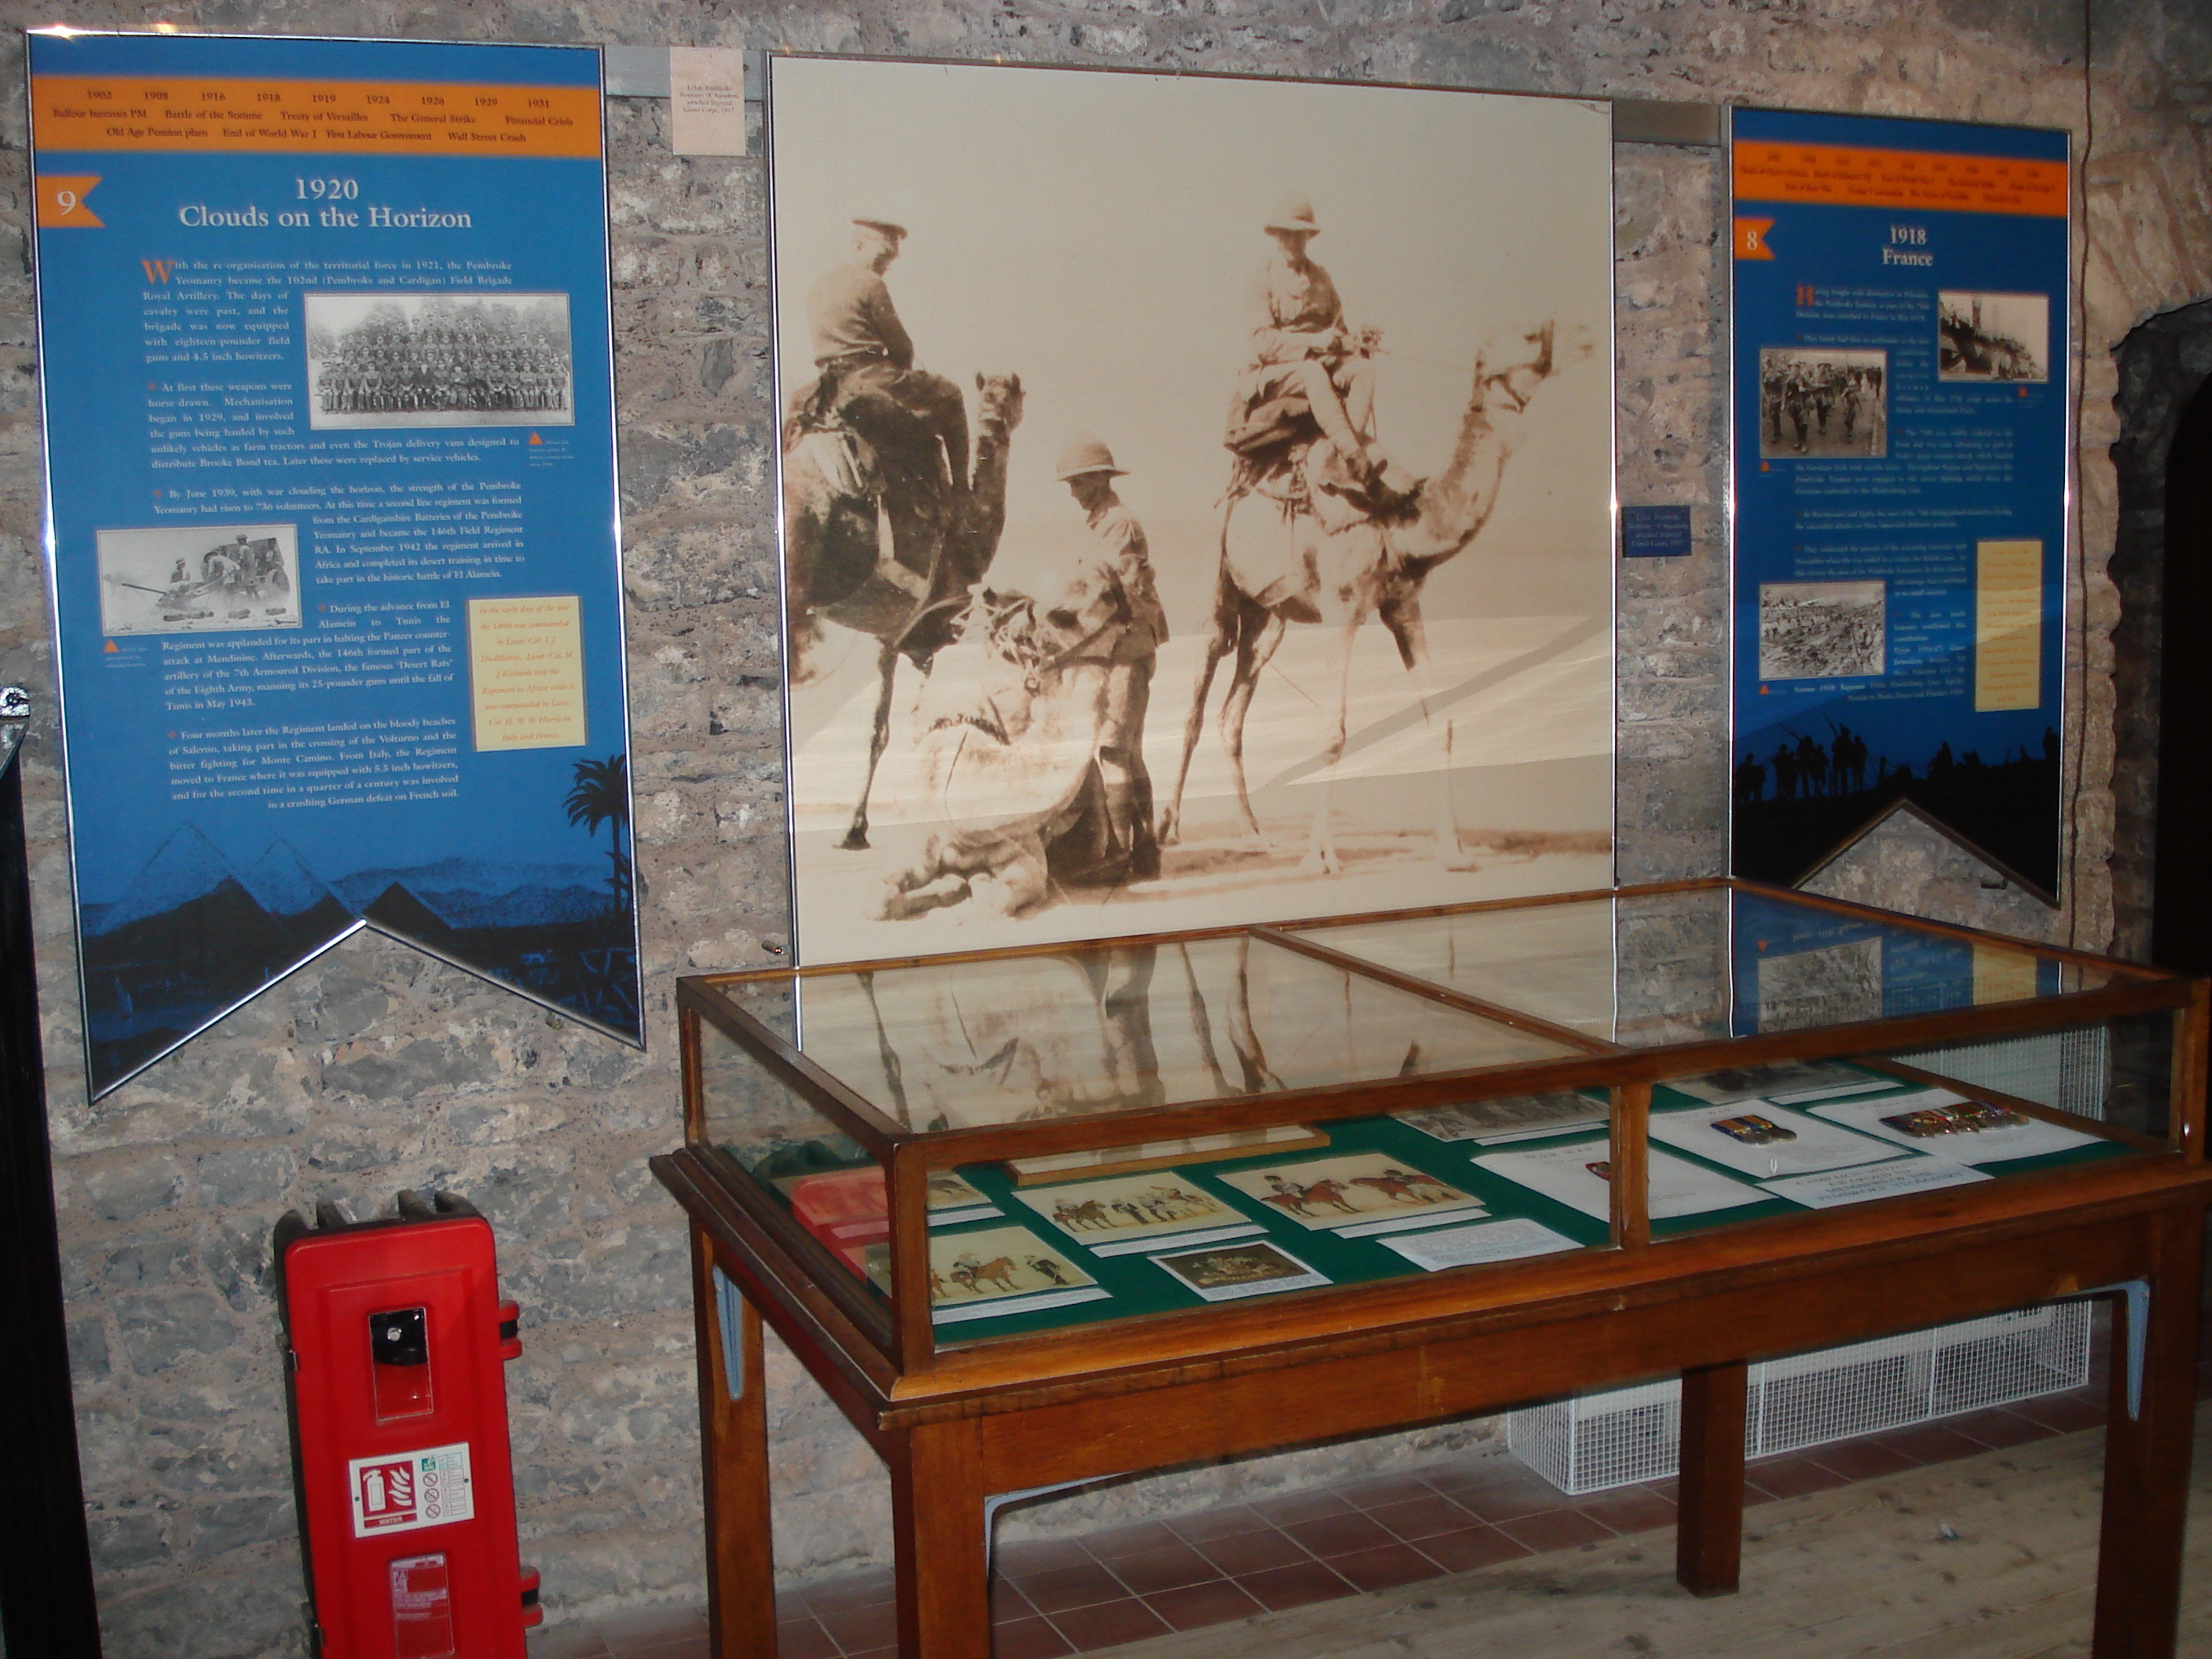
[1655, 533]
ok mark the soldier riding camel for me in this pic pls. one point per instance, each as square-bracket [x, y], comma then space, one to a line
[916, 421]
[1304, 352]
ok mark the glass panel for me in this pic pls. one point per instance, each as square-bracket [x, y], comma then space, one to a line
[1672, 967]
[1555, 961]
[1746, 1142]
[799, 1157]
[1639, 971]
[1797, 966]
[1113, 1028]
[2118, 1072]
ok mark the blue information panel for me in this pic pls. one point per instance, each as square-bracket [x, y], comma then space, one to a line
[330, 442]
[1900, 357]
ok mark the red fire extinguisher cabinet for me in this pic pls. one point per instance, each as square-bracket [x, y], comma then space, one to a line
[398, 1342]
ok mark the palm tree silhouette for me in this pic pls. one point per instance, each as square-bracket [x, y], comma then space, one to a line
[601, 795]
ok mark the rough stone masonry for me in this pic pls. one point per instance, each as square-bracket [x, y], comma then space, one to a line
[376, 1068]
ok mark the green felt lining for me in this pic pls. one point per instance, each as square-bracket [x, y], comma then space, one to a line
[1136, 1286]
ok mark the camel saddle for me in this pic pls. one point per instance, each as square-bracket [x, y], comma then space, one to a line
[1265, 431]
[1312, 478]
[1281, 454]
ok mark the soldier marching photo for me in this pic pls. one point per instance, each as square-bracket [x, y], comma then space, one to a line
[1821, 402]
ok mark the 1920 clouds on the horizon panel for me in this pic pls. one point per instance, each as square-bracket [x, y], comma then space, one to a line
[1375, 321]
[330, 452]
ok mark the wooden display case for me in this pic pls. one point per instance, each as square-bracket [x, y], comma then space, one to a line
[1039, 1216]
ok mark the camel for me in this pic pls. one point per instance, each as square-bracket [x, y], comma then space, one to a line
[901, 580]
[1005, 729]
[1331, 564]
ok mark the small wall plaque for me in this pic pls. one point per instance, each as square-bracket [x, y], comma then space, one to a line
[1655, 533]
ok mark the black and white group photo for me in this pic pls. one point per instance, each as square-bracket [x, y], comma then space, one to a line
[1823, 403]
[1201, 502]
[398, 359]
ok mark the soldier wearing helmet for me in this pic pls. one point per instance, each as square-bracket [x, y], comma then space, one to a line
[1302, 343]
[867, 361]
[1113, 609]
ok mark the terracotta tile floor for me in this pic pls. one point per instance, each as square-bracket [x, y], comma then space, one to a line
[1077, 1594]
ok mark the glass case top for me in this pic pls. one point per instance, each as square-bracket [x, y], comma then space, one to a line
[1116, 1027]
[1649, 969]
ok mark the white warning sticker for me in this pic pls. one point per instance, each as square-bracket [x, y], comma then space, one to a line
[404, 1491]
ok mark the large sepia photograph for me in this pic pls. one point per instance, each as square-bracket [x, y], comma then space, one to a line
[1196, 498]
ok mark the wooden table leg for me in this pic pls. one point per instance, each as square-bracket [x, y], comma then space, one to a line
[733, 1446]
[944, 1564]
[1709, 1532]
[2147, 1457]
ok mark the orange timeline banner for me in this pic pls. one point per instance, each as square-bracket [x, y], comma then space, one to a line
[1837, 176]
[355, 118]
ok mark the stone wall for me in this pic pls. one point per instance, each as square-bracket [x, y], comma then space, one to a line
[376, 1068]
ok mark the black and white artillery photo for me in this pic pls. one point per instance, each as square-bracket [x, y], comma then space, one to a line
[1822, 631]
[1824, 402]
[393, 359]
[1198, 508]
[203, 579]
[1992, 337]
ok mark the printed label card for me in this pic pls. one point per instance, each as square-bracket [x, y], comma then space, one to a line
[1126, 1214]
[1489, 1241]
[1004, 1270]
[1228, 1272]
[1508, 1117]
[1771, 1140]
[1785, 1082]
[1832, 1189]
[1581, 1177]
[1354, 1196]
[1949, 1126]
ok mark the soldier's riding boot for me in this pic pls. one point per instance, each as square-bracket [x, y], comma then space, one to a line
[940, 406]
[953, 436]
[1128, 803]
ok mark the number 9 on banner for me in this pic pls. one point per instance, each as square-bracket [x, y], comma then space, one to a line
[62, 204]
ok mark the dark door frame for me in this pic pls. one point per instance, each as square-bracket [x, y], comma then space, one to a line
[47, 1599]
[2181, 898]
